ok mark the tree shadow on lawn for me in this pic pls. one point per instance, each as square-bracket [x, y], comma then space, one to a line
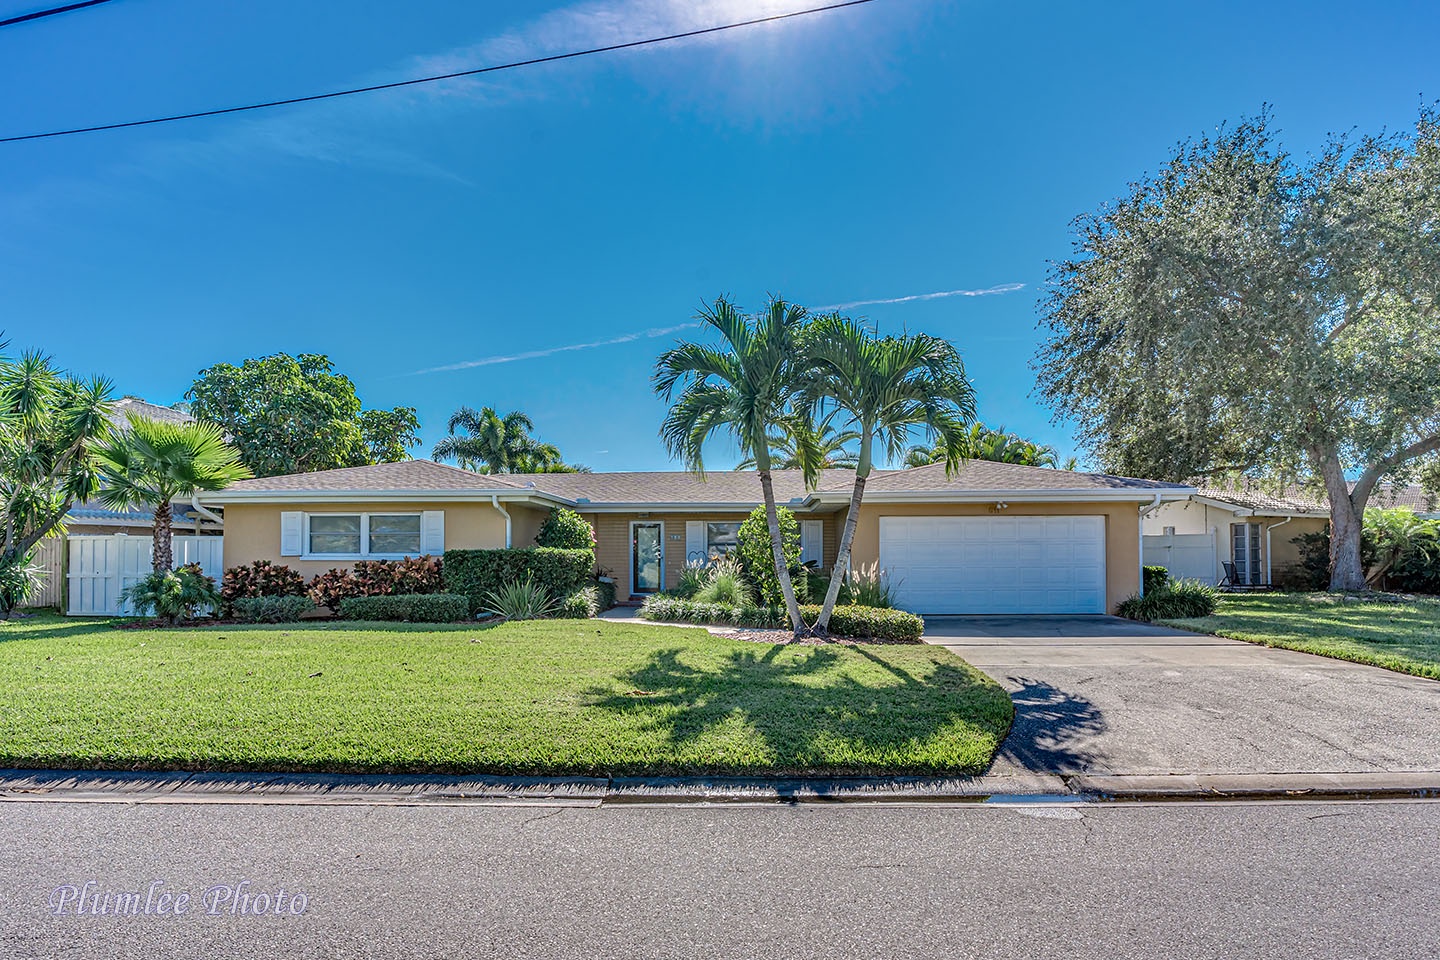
[1054, 731]
[807, 722]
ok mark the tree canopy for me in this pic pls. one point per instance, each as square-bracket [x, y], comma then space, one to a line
[1248, 311]
[487, 441]
[296, 414]
[1000, 446]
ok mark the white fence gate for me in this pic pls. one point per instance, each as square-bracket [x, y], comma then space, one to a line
[101, 567]
[1188, 556]
[49, 557]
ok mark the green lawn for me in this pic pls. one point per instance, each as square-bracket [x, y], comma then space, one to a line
[554, 697]
[1402, 636]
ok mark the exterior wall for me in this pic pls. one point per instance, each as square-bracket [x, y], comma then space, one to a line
[524, 525]
[252, 530]
[1202, 518]
[1122, 533]
[612, 541]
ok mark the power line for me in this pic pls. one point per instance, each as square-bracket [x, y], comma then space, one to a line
[443, 76]
[51, 12]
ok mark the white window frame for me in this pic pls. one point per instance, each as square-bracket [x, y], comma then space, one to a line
[709, 544]
[364, 553]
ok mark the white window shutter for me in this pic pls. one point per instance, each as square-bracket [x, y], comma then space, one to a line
[292, 533]
[696, 548]
[812, 542]
[432, 532]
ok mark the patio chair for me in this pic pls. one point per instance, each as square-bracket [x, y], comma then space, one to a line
[1232, 577]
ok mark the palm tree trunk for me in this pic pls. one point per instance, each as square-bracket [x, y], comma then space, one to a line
[782, 570]
[842, 557]
[162, 555]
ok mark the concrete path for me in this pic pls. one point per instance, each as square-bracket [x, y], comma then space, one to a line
[1102, 695]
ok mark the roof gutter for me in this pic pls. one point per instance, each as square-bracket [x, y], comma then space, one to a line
[1145, 511]
[1268, 567]
[218, 520]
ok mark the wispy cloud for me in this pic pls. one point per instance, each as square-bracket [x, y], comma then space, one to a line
[938, 295]
[551, 351]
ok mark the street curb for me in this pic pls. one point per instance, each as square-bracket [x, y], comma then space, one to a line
[141, 787]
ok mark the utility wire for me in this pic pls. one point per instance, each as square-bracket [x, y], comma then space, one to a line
[51, 12]
[444, 76]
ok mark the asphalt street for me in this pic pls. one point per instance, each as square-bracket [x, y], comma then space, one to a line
[1211, 879]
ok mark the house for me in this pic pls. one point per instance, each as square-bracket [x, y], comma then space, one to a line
[1411, 497]
[1247, 524]
[994, 538]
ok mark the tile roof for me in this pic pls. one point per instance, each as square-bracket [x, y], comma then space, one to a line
[1411, 496]
[1254, 495]
[409, 475]
[150, 411]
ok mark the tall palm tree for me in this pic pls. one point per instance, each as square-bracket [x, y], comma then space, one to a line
[983, 443]
[886, 387]
[492, 443]
[800, 437]
[152, 463]
[744, 387]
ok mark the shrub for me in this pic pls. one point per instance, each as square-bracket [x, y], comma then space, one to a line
[692, 577]
[173, 594]
[757, 557]
[724, 584]
[410, 607]
[478, 574]
[520, 600]
[260, 579]
[605, 593]
[286, 609]
[566, 530]
[330, 588]
[579, 605]
[850, 620]
[20, 577]
[818, 583]
[1177, 600]
[1154, 577]
[408, 576]
[869, 589]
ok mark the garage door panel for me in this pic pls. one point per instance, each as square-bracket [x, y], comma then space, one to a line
[963, 565]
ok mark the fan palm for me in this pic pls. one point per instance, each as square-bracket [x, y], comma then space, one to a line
[886, 387]
[488, 442]
[800, 437]
[153, 463]
[744, 387]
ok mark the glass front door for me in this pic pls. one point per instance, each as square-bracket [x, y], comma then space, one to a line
[647, 552]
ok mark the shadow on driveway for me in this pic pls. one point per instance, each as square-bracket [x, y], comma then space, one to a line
[1054, 731]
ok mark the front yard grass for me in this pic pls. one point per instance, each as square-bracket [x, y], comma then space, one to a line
[1403, 636]
[544, 698]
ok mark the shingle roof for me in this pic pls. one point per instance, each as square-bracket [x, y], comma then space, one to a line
[406, 475]
[1257, 496]
[150, 411]
[741, 488]
[1410, 496]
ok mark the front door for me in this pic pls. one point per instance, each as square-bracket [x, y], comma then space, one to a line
[647, 557]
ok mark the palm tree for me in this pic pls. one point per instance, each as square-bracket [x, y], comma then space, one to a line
[984, 443]
[887, 387]
[1398, 532]
[800, 437]
[153, 463]
[744, 387]
[495, 444]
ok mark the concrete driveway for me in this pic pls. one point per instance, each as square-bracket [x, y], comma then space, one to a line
[1103, 695]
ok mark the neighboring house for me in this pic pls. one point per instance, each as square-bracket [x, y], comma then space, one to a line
[1250, 526]
[1410, 497]
[995, 538]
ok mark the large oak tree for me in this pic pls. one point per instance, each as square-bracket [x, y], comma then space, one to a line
[1249, 311]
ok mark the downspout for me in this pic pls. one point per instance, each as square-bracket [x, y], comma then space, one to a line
[1268, 578]
[1145, 511]
[495, 502]
[215, 518]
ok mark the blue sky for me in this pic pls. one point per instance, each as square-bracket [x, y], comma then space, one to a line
[432, 240]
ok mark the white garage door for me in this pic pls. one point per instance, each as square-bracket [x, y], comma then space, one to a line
[941, 565]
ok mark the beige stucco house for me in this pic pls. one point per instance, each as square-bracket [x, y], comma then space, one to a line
[993, 538]
[1247, 525]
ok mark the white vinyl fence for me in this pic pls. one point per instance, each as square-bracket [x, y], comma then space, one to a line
[1188, 556]
[101, 567]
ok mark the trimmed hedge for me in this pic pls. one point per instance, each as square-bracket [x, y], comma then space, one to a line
[1156, 577]
[605, 594]
[411, 607]
[846, 620]
[579, 605]
[479, 573]
[286, 609]
[566, 529]
[1178, 600]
